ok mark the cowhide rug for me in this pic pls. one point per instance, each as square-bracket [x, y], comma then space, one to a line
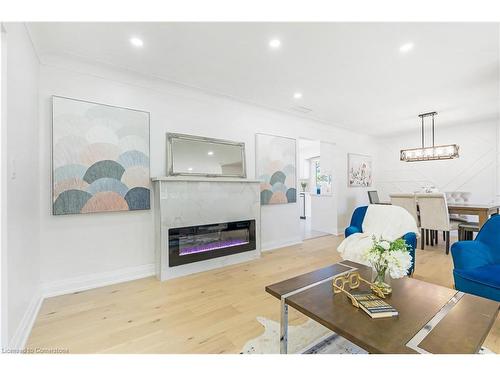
[301, 339]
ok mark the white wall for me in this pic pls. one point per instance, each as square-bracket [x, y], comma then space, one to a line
[83, 245]
[20, 178]
[3, 189]
[498, 128]
[474, 171]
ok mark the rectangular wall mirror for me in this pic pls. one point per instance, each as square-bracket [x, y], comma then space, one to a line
[189, 155]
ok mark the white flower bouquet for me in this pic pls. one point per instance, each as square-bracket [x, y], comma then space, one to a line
[392, 256]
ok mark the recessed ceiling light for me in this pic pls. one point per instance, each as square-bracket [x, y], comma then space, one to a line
[406, 47]
[136, 42]
[274, 43]
[297, 95]
[190, 169]
[210, 153]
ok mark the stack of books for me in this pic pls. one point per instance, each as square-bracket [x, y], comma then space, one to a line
[374, 306]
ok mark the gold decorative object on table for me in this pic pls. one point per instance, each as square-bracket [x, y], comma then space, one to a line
[353, 280]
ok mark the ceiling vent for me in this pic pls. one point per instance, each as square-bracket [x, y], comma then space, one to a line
[301, 109]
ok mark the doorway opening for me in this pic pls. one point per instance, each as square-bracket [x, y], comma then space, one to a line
[315, 187]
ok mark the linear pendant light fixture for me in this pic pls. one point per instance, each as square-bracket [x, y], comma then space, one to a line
[429, 153]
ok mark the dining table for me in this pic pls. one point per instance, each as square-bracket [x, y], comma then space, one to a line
[482, 211]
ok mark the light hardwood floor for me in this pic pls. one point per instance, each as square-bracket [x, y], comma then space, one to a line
[210, 312]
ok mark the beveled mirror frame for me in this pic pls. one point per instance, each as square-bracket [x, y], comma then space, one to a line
[170, 156]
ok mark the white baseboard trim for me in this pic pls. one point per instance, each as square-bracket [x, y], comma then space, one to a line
[279, 244]
[20, 338]
[76, 284]
[96, 280]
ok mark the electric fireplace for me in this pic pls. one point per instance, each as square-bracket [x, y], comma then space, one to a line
[202, 242]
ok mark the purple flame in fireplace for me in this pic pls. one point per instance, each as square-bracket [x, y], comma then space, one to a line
[211, 246]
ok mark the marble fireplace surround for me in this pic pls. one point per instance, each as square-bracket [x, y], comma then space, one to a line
[189, 201]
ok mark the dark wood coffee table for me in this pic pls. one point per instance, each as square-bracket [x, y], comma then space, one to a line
[432, 318]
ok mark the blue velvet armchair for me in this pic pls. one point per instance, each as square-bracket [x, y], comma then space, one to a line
[477, 263]
[357, 225]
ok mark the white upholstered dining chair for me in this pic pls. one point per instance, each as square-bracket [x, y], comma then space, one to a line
[434, 216]
[408, 202]
[458, 197]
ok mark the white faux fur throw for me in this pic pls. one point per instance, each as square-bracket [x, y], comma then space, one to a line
[386, 221]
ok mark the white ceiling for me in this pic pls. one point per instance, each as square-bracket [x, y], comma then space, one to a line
[350, 74]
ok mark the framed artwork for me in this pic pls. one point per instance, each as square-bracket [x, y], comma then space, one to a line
[276, 169]
[100, 158]
[359, 169]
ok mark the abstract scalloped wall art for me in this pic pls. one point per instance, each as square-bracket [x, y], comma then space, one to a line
[100, 158]
[276, 169]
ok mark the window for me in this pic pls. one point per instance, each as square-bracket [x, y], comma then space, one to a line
[322, 181]
[317, 172]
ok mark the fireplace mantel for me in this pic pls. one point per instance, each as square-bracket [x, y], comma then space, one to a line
[203, 179]
[185, 201]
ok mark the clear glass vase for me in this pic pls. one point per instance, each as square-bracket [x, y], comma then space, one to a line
[381, 280]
